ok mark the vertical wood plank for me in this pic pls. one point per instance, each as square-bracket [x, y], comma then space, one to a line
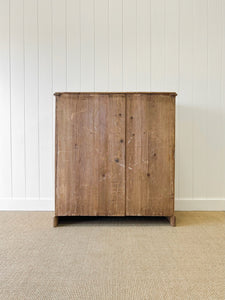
[101, 45]
[59, 50]
[17, 98]
[223, 91]
[171, 45]
[87, 46]
[199, 99]
[73, 45]
[186, 100]
[150, 154]
[130, 45]
[157, 45]
[90, 154]
[172, 69]
[59, 45]
[115, 45]
[215, 146]
[31, 98]
[143, 45]
[45, 99]
[5, 102]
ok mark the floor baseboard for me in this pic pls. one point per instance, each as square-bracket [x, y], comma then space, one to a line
[200, 205]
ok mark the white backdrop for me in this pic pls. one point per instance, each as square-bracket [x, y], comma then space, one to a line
[111, 45]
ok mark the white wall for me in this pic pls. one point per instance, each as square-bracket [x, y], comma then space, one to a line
[111, 45]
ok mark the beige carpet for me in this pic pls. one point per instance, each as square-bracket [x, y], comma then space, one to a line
[112, 258]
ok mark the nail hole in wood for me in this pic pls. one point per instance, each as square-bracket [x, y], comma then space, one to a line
[117, 160]
[148, 174]
[131, 117]
[121, 141]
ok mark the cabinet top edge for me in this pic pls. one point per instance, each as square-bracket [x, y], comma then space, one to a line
[96, 93]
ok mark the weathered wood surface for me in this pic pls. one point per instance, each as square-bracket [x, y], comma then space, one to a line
[55, 221]
[172, 220]
[150, 146]
[115, 154]
[90, 154]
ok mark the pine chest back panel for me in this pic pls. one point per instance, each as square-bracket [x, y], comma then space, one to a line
[115, 154]
[90, 155]
[150, 155]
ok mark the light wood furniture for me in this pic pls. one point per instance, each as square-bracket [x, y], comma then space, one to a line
[114, 154]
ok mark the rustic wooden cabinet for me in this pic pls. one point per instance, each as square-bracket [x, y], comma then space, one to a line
[114, 154]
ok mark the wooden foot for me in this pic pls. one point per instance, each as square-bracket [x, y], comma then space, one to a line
[172, 220]
[55, 221]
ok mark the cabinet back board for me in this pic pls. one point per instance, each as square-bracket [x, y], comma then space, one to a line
[150, 146]
[114, 154]
[90, 155]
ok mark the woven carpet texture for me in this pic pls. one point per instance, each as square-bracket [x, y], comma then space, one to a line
[112, 258]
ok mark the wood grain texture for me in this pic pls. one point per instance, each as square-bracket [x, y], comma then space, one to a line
[55, 221]
[90, 154]
[150, 145]
[123, 93]
[172, 220]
